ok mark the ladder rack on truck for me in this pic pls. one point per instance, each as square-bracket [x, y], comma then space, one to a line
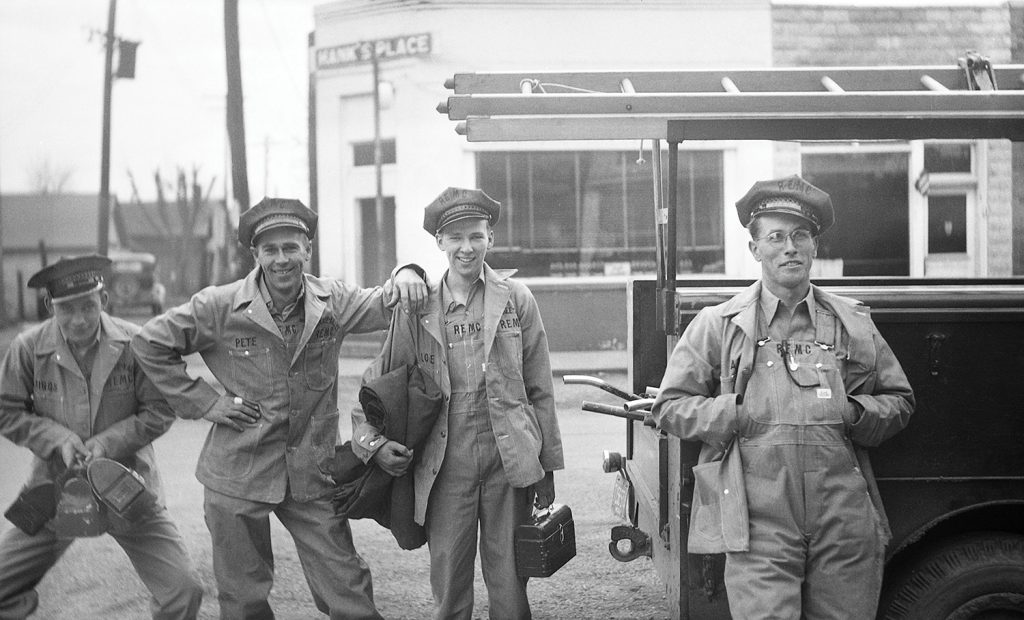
[955, 337]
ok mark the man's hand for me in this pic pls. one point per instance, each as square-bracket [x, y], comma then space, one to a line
[544, 490]
[393, 458]
[95, 449]
[233, 411]
[73, 450]
[410, 289]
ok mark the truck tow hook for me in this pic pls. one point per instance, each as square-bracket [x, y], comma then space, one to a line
[638, 544]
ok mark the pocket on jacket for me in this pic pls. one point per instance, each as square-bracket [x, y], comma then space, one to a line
[252, 372]
[323, 433]
[706, 514]
[320, 364]
[229, 453]
[509, 347]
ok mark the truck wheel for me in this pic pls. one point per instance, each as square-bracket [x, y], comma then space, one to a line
[973, 576]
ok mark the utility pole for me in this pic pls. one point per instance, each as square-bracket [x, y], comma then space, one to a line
[314, 201]
[236, 119]
[378, 160]
[103, 234]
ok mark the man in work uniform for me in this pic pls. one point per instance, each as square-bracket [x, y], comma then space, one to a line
[272, 340]
[789, 383]
[71, 391]
[496, 443]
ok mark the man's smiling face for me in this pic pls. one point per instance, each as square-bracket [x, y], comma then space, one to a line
[465, 243]
[282, 253]
[787, 266]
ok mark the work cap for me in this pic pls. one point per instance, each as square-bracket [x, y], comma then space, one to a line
[72, 277]
[790, 195]
[454, 204]
[275, 213]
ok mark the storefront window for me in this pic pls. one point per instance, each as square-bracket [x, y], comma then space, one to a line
[554, 190]
[947, 157]
[591, 213]
[869, 193]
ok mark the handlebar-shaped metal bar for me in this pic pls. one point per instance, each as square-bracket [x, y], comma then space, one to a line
[640, 403]
[618, 412]
[598, 383]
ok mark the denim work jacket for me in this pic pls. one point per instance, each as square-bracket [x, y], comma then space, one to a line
[520, 392]
[291, 447]
[45, 398]
[713, 360]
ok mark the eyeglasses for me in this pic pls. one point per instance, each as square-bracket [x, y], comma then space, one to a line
[801, 238]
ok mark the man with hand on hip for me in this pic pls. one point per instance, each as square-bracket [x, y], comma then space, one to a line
[272, 340]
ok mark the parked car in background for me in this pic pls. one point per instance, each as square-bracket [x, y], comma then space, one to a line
[133, 283]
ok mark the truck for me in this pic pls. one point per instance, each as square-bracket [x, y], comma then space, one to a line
[952, 482]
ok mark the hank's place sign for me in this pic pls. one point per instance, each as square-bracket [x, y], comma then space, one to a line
[402, 46]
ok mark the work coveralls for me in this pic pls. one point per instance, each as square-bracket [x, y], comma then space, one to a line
[44, 399]
[281, 463]
[497, 434]
[795, 402]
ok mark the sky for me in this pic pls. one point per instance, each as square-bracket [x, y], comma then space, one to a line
[171, 116]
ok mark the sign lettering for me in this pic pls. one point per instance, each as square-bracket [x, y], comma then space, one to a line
[403, 46]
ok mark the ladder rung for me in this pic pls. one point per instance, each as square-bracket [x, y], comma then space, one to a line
[830, 85]
[932, 84]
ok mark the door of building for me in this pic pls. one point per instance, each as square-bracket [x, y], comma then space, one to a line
[377, 242]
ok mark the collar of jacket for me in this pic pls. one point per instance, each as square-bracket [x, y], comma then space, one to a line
[248, 295]
[496, 294]
[51, 339]
[250, 289]
[742, 310]
[113, 340]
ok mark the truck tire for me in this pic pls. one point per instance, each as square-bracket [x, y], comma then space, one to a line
[978, 576]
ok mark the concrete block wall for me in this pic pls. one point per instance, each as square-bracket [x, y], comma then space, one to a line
[868, 36]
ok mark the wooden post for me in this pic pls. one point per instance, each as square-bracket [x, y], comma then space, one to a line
[236, 119]
[103, 232]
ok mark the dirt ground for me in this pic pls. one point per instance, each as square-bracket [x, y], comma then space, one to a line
[95, 580]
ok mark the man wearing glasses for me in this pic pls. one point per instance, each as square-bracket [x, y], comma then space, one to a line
[786, 385]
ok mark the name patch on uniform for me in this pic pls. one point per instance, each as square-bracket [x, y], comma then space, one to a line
[121, 379]
[466, 328]
[824, 393]
[241, 343]
[325, 329]
[508, 323]
[42, 385]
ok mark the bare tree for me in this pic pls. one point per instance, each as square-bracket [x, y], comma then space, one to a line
[47, 177]
[175, 221]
